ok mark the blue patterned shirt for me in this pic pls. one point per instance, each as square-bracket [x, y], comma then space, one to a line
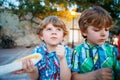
[49, 65]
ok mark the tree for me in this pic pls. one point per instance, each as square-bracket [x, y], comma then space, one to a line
[38, 8]
[43, 8]
[112, 6]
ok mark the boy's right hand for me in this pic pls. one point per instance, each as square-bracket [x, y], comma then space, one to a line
[104, 74]
[27, 67]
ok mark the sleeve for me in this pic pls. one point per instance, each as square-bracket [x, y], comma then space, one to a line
[68, 56]
[35, 50]
[119, 44]
[41, 62]
[75, 61]
[116, 61]
[116, 65]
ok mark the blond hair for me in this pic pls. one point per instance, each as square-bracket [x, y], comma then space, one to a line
[55, 21]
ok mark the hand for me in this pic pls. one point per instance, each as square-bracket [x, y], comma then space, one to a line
[27, 67]
[104, 74]
[60, 51]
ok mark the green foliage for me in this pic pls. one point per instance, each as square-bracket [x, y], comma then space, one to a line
[43, 8]
[112, 6]
[39, 7]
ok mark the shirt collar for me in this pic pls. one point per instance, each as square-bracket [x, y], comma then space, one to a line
[87, 45]
[51, 54]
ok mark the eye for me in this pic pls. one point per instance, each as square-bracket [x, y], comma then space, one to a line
[107, 29]
[59, 29]
[96, 30]
[48, 29]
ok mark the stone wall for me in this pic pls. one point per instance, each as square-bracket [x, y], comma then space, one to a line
[23, 32]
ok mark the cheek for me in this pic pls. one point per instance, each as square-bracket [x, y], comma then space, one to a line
[60, 33]
[45, 36]
[61, 36]
[91, 33]
[107, 33]
[92, 36]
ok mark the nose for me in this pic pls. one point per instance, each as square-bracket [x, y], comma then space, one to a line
[54, 32]
[103, 33]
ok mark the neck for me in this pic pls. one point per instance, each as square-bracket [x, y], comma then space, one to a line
[51, 48]
[90, 43]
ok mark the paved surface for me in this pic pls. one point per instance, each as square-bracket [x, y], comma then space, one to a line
[9, 55]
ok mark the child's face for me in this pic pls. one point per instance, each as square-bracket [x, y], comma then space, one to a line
[96, 36]
[52, 35]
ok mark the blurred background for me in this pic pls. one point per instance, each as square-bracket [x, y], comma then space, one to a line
[19, 19]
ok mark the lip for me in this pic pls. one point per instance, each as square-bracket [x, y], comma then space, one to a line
[53, 37]
[102, 40]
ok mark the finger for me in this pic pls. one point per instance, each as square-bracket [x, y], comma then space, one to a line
[109, 73]
[108, 78]
[18, 72]
[24, 64]
[30, 63]
[62, 43]
[107, 70]
[60, 49]
[31, 67]
[106, 75]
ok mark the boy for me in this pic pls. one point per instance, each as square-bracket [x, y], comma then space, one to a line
[94, 59]
[56, 57]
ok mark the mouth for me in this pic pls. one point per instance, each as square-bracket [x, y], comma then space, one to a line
[101, 40]
[53, 37]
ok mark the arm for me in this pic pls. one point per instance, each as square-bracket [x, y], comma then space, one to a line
[34, 75]
[119, 44]
[87, 76]
[65, 73]
[100, 74]
[28, 67]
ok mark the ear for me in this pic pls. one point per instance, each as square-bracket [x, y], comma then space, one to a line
[84, 33]
[64, 38]
[41, 37]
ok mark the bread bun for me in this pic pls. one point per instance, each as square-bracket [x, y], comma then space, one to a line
[32, 56]
[17, 64]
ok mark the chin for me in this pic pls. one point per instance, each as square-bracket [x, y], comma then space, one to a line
[100, 43]
[54, 44]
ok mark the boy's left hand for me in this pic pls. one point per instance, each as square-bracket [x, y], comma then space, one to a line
[60, 51]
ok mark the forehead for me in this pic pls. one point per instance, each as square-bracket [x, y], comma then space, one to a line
[50, 25]
[92, 27]
[102, 27]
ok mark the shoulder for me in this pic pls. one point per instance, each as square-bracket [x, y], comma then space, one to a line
[39, 49]
[110, 48]
[68, 49]
[80, 47]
